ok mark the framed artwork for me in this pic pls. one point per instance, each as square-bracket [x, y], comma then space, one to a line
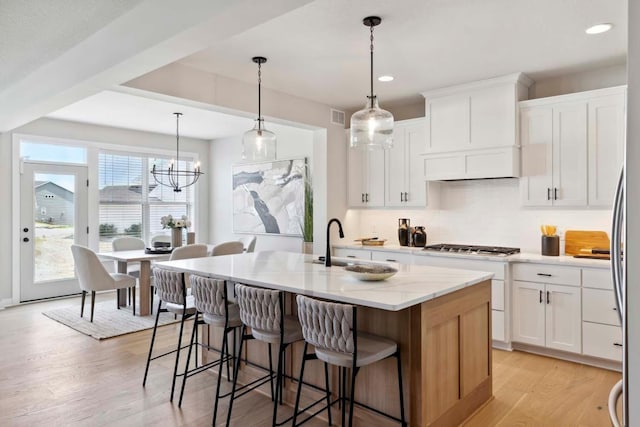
[268, 197]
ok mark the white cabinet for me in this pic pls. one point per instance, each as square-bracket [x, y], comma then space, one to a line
[389, 256]
[601, 330]
[547, 306]
[472, 129]
[366, 178]
[391, 178]
[572, 147]
[404, 167]
[351, 253]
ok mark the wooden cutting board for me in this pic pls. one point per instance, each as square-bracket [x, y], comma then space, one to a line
[576, 240]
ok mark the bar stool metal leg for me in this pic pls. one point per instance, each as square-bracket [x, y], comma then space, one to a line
[153, 339]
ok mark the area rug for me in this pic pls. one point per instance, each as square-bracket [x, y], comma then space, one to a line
[108, 321]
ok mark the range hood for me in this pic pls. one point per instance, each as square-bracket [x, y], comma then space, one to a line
[472, 129]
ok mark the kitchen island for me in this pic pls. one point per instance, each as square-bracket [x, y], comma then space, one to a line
[440, 317]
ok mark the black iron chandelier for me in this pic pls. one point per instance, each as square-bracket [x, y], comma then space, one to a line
[171, 176]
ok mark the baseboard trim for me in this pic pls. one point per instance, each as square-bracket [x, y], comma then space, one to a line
[501, 345]
[571, 357]
[4, 303]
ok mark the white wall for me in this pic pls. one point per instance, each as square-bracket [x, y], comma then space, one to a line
[95, 135]
[292, 143]
[597, 78]
[485, 212]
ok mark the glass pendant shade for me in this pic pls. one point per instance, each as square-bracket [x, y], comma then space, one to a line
[259, 143]
[372, 127]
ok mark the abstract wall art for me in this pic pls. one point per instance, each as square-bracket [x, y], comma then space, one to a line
[268, 197]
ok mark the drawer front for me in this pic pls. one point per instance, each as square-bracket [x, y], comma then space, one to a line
[597, 278]
[599, 305]
[497, 295]
[602, 341]
[545, 273]
[391, 257]
[497, 325]
[351, 253]
[497, 268]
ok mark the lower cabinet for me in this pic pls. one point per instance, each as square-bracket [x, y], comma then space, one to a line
[547, 315]
[351, 253]
[604, 341]
[601, 330]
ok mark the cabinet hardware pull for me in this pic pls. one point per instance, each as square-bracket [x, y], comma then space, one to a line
[406, 197]
[548, 299]
[615, 309]
[351, 256]
[366, 197]
[617, 344]
[548, 193]
[391, 260]
[401, 196]
[540, 297]
[555, 193]
[362, 194]
[544, 274]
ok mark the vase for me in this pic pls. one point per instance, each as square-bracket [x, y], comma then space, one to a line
[419, 237]
[176, 237]
[404, 232]
[191, 237]
[307, 247]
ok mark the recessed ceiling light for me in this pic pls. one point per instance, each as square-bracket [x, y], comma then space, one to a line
[385, 78]
[599, 28]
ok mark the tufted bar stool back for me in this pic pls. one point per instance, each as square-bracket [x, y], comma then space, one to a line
[332, 329]
[171, 290]
[213, 308]
[262, 310]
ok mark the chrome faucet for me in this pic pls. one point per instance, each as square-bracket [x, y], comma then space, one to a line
[327, 257]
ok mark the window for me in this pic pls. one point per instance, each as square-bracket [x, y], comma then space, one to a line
[131, 202]
[57, 153]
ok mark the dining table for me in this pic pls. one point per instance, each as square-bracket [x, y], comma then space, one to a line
[123, 259]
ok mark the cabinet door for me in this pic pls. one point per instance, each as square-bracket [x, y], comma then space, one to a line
[536, 137]
[415, 184]
[356, 175]
[489, 110]
[606, 147]
[528, 313]
[570, 154]
[563, 318]
[375, 178]
[396, 170]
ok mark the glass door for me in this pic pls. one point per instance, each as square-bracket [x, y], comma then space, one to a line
[53, 213]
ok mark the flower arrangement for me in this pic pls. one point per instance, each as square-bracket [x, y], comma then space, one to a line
[169, 221]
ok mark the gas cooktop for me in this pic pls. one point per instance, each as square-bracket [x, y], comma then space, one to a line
[472, 249]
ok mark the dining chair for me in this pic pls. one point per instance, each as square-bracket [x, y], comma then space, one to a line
[93, 276]
[227, 248]
[331, 329]
[249, 243]
[130, 244]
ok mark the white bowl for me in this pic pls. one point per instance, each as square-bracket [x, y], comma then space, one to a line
[370, 272]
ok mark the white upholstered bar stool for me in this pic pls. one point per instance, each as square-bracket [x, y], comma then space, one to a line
[262, 310]
[213, 308]
[331, 328]
[170, 289]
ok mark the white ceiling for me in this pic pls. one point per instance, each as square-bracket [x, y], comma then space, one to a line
[317, 50]
[320, 51]
[129, 111]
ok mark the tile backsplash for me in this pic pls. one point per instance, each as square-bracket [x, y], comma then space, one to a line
[486, 212]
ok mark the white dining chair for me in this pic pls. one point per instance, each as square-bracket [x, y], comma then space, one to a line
[129, 244]
[249, 243]
[227, 248]
[93, 276]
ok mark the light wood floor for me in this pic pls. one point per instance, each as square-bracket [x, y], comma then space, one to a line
[51, 375]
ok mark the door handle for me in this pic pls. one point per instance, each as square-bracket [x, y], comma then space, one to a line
[406, 197]
[26, 239]
[617, 344]
[540, 297]
[362, 196]
[548, 299]
[555, 193]
[401, 198]
[366, 197]
[544, 274]
[548, 193]
[391, 260]
[26, 230]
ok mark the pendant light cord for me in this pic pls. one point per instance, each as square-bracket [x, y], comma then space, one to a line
[371, 54]
[259, 92]
[177, 148]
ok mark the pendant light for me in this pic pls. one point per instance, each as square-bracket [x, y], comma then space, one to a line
[173, 173]
[259, 143]
[372, 127]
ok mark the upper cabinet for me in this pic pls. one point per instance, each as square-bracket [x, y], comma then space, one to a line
[472, 129]
[572, 148]
[404, 167]
[390, 178]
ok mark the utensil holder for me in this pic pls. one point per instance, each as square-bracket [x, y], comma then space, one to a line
[550, 245]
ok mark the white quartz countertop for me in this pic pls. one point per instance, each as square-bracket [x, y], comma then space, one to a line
[521, 257]
[295, 273]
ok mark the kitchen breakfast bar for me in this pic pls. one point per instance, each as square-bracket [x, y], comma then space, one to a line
[440, 317]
